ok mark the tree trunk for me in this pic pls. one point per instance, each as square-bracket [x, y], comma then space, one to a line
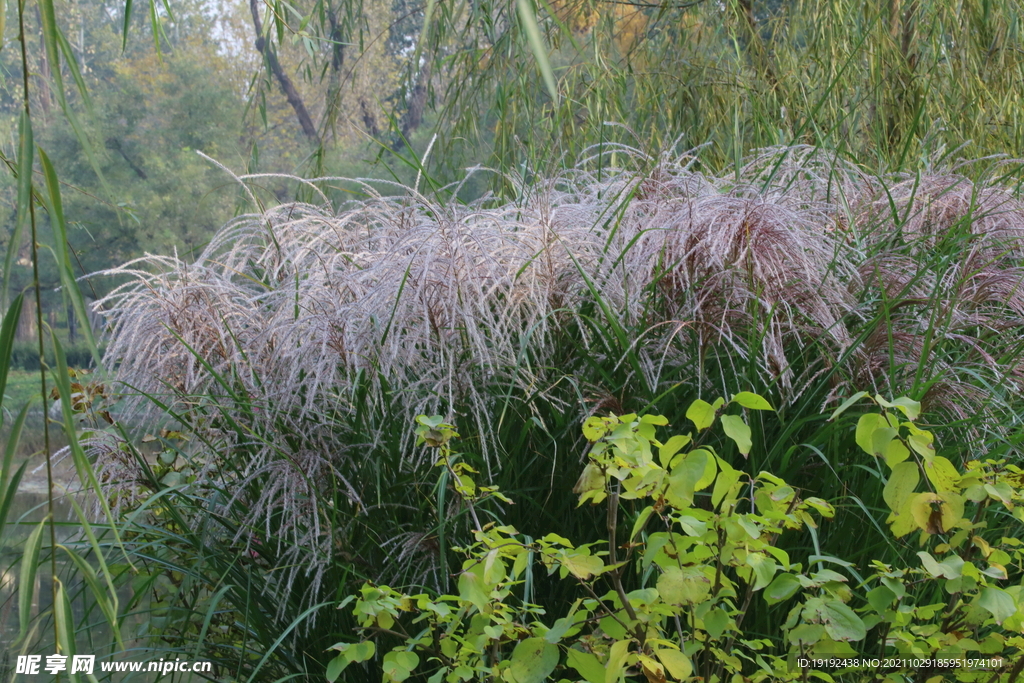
[26, 328]
[287, 87]
[417, 102]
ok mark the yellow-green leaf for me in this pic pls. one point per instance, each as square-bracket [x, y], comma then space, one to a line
[701, 413]
[942, 474]
[847, 403]
[998, 602]
[751, 400]
[617, 655]
[533, 660]
[902, 482]
[866, 427]
[588, 665]
[671, 447]
[676, 663]
[737, 430]
[683, 585]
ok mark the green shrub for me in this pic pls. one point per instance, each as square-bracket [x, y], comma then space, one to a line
[704, 553]
[25, 356]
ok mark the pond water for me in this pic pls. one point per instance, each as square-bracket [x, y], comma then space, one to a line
[29, 507]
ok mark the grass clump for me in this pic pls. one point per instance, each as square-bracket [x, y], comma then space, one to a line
[295, 350]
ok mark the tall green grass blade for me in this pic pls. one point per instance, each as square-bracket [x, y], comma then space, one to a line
[26, 150]
[87, 572]
[76, 72]
[208, 618]
[53, 39]
[7, 328]
[528, 18]
[428, 16]
[83, 467]
[64, 618]
[9, 482]
[27, 576]
[281, 638]
[69, 287]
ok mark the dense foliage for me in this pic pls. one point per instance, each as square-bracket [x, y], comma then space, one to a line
[698, 556]
[687, 200]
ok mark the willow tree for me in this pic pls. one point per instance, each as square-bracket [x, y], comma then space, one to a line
[507, 82]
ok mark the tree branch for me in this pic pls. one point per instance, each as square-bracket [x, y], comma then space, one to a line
[287, 87]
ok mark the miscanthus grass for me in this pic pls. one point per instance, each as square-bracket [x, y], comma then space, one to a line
[801, 273]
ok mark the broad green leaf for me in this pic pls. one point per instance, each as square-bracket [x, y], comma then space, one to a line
[692, 470]
[910, 407]
[936, 513]
[942, 474]
[710, 469]
[764, 569]
[783, 587]
[715, 622]
[1000, 491]
[588, 665]
[880, 598]
[806, 634]
[998, 602]
[472, 589]
[901, 522]
[737, 430]
[683, 585]
[671, 447]
[907, 406]
[931, 565]
[676, 663]
[752, 401]
[881, 439]
[617, 655]
[533, 660]
[639, 524]
[727, 478]
[653, 669]
[847, 403]
[902, 482]
[866, 426]
[582, 565]
[336, 666]
[591, 480]
[560, 628]
[398, 666]
[922, 442]
[701, 413]
[840, 622]
[895, 453]
[594, 428]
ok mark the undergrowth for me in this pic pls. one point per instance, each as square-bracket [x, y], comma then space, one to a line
[291, 355]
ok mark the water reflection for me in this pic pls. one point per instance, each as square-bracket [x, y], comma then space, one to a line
[29, 507]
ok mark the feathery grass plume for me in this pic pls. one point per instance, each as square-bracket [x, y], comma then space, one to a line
[305, 338]
[943, 269]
